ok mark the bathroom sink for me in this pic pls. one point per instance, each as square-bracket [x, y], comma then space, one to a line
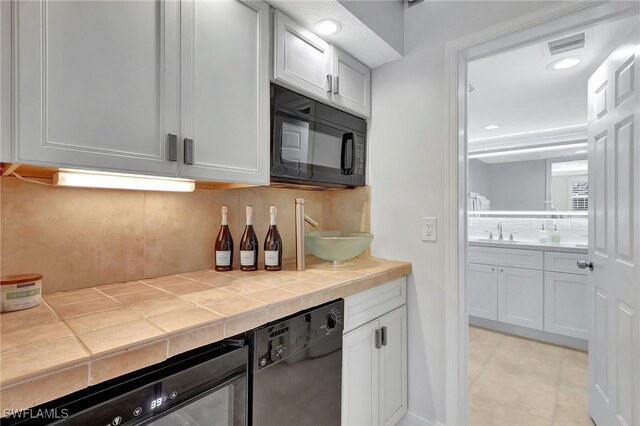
[337, 246]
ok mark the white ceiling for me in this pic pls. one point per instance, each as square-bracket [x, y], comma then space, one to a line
[516, 90]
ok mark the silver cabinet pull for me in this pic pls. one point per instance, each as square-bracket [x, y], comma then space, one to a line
[336, 86]
[188, 151]
[383, 332]
[584, 264]
[378, 339]
[172, 147]
[329, 83]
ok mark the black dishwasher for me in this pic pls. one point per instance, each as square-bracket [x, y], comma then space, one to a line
[204, 387]
[296, 369]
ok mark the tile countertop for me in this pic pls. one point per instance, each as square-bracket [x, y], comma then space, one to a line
[76, 339]
[531, 245]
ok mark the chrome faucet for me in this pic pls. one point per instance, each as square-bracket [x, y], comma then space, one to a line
[500, 236]
[301, 218]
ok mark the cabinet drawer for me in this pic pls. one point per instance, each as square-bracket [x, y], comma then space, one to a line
[563, 262]
[517, 258]
[368, 305]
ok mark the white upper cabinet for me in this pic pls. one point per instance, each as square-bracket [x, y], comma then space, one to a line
[305, 63]
[225, 91]
[351, 83]
[301, 59]
[96, 84]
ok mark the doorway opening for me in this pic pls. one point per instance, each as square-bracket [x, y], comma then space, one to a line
[519, 122]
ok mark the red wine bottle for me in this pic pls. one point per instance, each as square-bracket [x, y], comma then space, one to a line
[249, 245]
[224, 244]
[273, 244]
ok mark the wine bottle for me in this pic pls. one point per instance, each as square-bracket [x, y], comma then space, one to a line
[249, 245]
[273, 244]
[224, 244]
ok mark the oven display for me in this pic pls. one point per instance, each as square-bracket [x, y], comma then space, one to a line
[156, 403]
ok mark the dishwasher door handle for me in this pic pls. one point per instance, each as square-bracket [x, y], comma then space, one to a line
[378, 338]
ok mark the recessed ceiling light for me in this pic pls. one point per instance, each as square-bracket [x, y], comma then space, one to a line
[564, 64]
[327, 26]
[492, 126]
[582, 151]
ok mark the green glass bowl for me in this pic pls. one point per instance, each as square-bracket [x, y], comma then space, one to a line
[337, 246]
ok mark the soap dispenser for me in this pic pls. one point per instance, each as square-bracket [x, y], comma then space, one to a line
[543, 236]
[555, 234]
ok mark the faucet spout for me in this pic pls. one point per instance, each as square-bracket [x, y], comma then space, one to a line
[301, 218]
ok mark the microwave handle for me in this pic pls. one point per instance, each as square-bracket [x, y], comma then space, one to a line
[343, 156]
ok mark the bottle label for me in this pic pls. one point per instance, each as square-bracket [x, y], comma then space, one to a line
[223, 258]
[247, 258]
[271, 257]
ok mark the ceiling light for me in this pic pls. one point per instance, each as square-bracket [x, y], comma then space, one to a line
[328, 26]
[582, 151]
[491, 126]
[564, 64]
[527, 150]
[91, 179]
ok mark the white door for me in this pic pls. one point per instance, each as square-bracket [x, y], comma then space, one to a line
[565, 304]
[520, 297]
[225, 91]
[483, 290]
[96, 84]
[614, 237]
[393, 366]
[351, 83]
[302, 60]
[361, 376]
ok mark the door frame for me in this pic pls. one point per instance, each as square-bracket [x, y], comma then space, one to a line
[520, 31]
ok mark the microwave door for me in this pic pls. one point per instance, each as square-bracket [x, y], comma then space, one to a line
[330, 155]
[292, 147]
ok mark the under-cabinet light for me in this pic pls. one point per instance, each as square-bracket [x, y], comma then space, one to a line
[527, 150]
[91, 179]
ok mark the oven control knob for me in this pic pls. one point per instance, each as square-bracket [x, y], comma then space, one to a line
[331, 322]
[263, 362]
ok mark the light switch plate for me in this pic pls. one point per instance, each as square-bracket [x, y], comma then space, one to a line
[429, 229]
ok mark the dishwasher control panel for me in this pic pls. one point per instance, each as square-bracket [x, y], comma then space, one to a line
[277, 341]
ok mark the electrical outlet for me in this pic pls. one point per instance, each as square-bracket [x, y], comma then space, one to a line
[429, 229]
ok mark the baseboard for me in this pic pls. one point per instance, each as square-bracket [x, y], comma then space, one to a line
[530, 333]
[412, 419]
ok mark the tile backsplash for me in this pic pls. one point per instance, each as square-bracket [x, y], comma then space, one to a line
[572, 230]
[80, 238]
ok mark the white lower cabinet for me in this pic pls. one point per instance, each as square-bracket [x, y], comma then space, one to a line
[520, 294]
[565, 304]
[374, 368]
[483, 291]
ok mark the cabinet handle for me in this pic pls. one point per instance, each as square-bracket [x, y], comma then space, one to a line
[378, 339]
[336, 87]
[383, 332]
[188, 151]
[493, 269]
[172, 147]
[329, 83]
[501, 270]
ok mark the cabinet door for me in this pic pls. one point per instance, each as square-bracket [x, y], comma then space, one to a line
[565, 304]
[393, 366]
[301, 59]
[483, 291]
[361, 376]
[225, 91]
[351, 83]
[520, 297]
[96, 84]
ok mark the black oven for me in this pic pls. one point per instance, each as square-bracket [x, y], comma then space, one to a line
[313, 143]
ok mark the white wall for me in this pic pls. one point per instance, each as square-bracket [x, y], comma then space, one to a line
[385, 18]
[407, 170]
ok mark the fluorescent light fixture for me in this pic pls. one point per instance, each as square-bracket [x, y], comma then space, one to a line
[91, 179]
[327, 26]
[528, 150]
[527, 213]
[564, 64]
[491, 126]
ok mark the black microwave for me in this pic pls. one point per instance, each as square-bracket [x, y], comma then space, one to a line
[315, 144]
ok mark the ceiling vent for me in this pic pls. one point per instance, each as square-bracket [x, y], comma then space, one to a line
[470, 88]
[566, 44]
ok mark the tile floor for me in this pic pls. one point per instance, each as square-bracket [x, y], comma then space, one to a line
[515, 381]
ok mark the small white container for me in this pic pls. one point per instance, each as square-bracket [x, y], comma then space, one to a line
[20, 291]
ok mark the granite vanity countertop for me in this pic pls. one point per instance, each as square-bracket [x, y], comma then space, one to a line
[532, 245]
[76, 339]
